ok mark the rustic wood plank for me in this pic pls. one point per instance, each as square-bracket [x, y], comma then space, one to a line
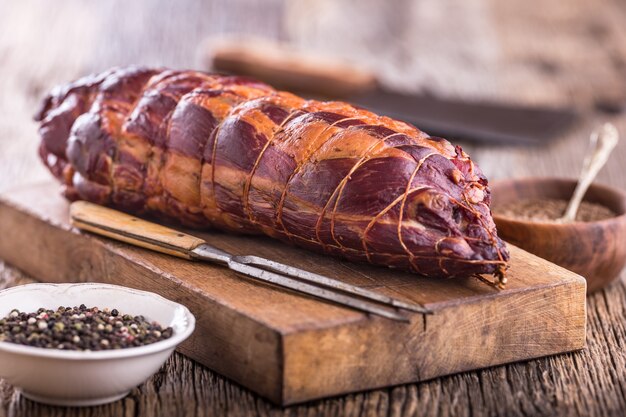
[292, 348]
[516, 51]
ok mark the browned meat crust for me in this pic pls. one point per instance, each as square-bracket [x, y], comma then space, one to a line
[235, 154]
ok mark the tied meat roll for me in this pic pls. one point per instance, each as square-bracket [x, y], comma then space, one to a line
[224, 152]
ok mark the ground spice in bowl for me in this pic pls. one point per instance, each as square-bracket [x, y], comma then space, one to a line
[549, 210]
[80, 328]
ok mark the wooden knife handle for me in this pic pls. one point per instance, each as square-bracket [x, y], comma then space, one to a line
[282, 67]
[126, 228]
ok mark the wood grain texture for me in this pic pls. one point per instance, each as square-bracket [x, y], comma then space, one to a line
[131, 229]
[525, 52]
[291, 348]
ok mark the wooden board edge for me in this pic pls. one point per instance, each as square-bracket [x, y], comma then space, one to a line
[568, 297]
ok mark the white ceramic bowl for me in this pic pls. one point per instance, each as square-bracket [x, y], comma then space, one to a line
[76, 378]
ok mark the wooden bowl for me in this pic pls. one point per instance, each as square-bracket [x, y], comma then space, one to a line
[596, 250]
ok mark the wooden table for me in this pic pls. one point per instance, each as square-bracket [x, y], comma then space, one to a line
[566, 52]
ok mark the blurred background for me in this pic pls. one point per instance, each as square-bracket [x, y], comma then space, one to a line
[555, 53]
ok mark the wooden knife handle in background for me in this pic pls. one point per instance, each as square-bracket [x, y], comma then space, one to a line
[126, 228]
[285, 68]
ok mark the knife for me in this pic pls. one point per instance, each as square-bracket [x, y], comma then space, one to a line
[319, 77]
[126, 228]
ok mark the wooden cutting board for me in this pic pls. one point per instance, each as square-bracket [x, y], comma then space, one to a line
[291, 348]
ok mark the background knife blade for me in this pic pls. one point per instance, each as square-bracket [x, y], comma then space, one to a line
[476, 121]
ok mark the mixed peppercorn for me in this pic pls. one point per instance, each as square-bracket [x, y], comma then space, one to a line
[80, 328]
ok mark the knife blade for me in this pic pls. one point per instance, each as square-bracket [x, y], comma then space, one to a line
[481, 122]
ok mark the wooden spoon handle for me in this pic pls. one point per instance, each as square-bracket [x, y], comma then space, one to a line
[126, 228]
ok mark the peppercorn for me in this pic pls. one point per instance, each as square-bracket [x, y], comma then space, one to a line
[80, 328]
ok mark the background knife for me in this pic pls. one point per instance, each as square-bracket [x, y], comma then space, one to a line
[319, 77]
